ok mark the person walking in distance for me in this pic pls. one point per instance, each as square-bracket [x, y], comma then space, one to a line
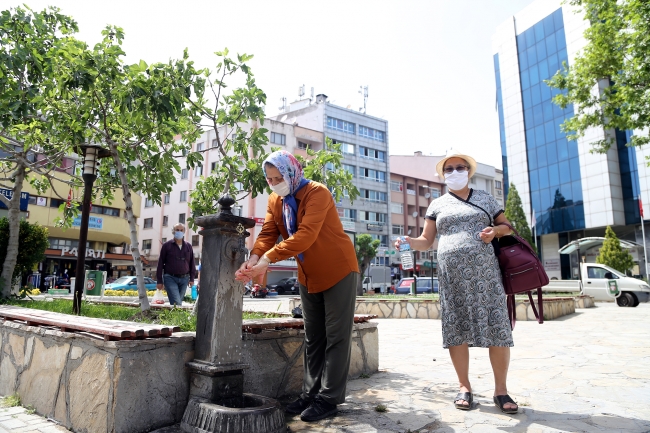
[176, 266]
[303, 212]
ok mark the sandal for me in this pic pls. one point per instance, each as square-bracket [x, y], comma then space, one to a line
[501, 400]
[468, 397]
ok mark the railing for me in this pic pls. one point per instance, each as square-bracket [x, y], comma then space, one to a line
[410, 192]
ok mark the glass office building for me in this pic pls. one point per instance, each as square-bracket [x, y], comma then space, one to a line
[568, 191]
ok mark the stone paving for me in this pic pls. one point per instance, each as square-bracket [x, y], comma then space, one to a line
[587, 372]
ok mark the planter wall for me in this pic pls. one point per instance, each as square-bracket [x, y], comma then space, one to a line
[429, 309]
[584, 301]
[91, 385]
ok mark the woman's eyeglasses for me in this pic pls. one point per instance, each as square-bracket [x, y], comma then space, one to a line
[458, 168]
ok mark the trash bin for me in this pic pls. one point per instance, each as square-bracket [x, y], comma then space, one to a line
[94, 283]
[195, 292]
[73, 281]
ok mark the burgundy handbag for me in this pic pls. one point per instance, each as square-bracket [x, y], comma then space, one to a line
[522, 272]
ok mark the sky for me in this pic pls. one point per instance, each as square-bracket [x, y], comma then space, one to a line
[427, 63]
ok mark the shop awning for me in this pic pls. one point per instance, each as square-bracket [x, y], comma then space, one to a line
[588, 243]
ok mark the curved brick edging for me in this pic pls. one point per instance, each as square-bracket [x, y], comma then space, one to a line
[429, 309]
[88, 384]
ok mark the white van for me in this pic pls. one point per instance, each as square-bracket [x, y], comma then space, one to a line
[595, 279]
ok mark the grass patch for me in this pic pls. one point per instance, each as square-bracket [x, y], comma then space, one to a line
[169, 317]
[10, 401]
[381, 408]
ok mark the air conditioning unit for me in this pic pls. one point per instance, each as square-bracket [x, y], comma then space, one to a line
[145, 252]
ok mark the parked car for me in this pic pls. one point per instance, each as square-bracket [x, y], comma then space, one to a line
[423, 285]
[130, 283]
[285, 285]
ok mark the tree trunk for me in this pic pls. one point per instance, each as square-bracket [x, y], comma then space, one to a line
[135, 249]
[6, 278]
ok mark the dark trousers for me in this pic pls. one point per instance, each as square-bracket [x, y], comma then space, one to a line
[329, 319]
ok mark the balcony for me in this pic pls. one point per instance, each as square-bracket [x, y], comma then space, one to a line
[410, 192]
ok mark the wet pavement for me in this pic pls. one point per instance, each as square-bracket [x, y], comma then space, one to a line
[588, 372]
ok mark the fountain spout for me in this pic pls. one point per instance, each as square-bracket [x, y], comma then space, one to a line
[217, 399]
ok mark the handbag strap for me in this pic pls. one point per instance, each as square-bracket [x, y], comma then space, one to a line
[512, 312]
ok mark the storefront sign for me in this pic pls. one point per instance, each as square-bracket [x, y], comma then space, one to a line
[348, 225]
[375, 227]
[89, 253]
[24, 198]
[552, 264]
[93, 222]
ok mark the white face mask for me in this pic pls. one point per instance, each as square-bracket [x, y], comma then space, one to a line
[281, 189]
[457, 181]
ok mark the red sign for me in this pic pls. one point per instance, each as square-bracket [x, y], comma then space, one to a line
[258, 221]
[416, 268]
[640, 207]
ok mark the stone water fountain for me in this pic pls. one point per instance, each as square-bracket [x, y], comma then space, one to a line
[217, 400]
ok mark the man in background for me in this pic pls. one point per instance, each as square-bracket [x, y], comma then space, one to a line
[176, 266]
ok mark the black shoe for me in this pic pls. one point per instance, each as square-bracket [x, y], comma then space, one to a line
[319, 409]
[298, 406]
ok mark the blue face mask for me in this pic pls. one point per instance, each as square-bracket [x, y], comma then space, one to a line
[178, 235]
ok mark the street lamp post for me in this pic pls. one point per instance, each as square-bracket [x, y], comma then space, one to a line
[92, 154]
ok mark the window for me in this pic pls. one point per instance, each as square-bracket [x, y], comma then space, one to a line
[365, 152]
[238, 210]
[499, 192]
[349, 168]
[38, 201]
[61, 243]
[103, 210]
[183, 196]
[398, 230]
[165, 221]
[195, 240]
[381, 261]
[497, 184]
[383, 240]
[364, 131]
[184, 173]
[199, 147]
[345, 147]
[376, 175]
[435, 193]
[147, 202]
[340, 125]
[348, 214]
[148, 223]
[166, 199]
[373, 217]
[304, 146]
[198, 171]
[397, 208]
[434, 255]
[278, 138]
[181, 218]
[396, 186]
[371, 195]
[146, 244]
[163, 240]
[215, 143]
[424, 255]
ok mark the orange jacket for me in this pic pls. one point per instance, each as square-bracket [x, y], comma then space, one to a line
[327, 250]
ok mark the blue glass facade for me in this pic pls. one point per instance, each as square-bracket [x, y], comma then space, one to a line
[502, 129]
[553, 165]
[629, 177]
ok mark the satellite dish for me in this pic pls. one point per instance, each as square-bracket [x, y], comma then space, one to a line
[415, 215]
[427, 195]
[283, 118]
[409, 233]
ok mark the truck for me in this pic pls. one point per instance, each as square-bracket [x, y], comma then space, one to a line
[377, 278]
[596, 280]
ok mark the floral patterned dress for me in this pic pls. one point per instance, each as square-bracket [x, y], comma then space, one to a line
[472, 299]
